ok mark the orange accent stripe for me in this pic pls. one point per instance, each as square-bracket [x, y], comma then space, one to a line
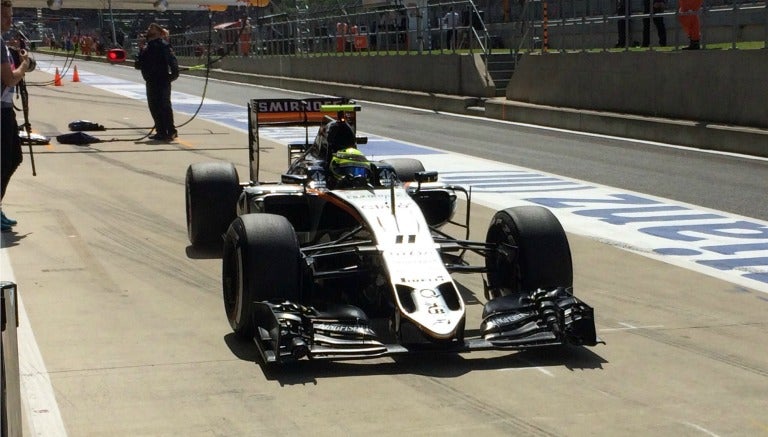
[328, 197]
[292, 117]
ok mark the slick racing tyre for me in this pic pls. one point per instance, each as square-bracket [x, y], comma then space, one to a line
[212, 190]
[261, 262]
[543, 257]
[405, 168]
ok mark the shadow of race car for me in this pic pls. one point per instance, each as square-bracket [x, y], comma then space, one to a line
[344, 258]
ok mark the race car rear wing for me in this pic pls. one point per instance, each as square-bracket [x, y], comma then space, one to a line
[308, 112]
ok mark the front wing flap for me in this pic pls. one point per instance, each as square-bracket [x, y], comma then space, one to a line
[287, 331]
[541, 317]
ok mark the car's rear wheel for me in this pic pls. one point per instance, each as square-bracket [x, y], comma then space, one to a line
[261, 261]
[212, 190]
[542, 260]
[405, 168]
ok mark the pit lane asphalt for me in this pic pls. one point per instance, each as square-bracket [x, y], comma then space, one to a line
[131, 327]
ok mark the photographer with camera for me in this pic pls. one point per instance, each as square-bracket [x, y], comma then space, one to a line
[14, 66]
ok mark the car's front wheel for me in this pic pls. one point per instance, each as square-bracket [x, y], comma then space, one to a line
[261, 261]
[532, 251]
[405, 168]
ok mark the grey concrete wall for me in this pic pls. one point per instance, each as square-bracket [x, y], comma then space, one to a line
[444, 74]
[712, 86]
[750, 141]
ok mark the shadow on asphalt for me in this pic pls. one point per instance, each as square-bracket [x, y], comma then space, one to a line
[436, 365]
[204, 253]
[11, 238]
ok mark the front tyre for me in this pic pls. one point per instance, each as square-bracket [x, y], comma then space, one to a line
[543, 255]
[261, 261]
[405, 168]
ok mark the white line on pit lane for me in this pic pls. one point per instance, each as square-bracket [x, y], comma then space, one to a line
[629, 327]
[519, 369]
[37, 398]
[700, 428]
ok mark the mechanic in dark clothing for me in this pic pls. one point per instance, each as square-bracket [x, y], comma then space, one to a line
[657, 6]
[159, 68]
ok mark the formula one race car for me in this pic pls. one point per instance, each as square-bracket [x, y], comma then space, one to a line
[344, 258]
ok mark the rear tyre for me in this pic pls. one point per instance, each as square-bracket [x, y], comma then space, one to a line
[212, 190]
[543, 258]
[261, 261]
[405, 168]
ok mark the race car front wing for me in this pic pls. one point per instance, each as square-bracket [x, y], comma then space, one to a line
[289, 331]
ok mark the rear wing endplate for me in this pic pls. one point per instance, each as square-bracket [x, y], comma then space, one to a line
[290, 112]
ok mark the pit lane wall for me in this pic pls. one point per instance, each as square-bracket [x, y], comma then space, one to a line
[713, 99]
[710, 98]
[440, 74]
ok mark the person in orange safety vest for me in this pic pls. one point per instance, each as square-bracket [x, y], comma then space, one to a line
[688, 15]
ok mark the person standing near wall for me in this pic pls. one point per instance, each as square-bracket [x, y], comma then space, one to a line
[12, 71]
[159, 68]
[657, 7]
[623, 29]
[688, 15]
[245, 37]
[450, 22]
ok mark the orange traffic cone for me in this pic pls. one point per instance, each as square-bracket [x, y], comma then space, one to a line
[75, 76]
[57, 78]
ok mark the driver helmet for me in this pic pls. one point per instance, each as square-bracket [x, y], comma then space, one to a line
[350, 164]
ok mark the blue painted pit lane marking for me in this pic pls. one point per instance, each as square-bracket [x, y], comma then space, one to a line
[719, 244]
[378, 146]
[509, 181]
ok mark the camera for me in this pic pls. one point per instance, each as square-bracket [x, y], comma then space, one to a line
[18, 53]
[32, 62]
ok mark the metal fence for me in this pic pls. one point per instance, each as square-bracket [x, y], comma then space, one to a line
[524, 26]
[390, 30]
[582, 26]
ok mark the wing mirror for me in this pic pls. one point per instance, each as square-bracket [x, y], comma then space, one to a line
[425, 176]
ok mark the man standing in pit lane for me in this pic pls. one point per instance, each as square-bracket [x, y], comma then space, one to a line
[12, 73]
[159, 68]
